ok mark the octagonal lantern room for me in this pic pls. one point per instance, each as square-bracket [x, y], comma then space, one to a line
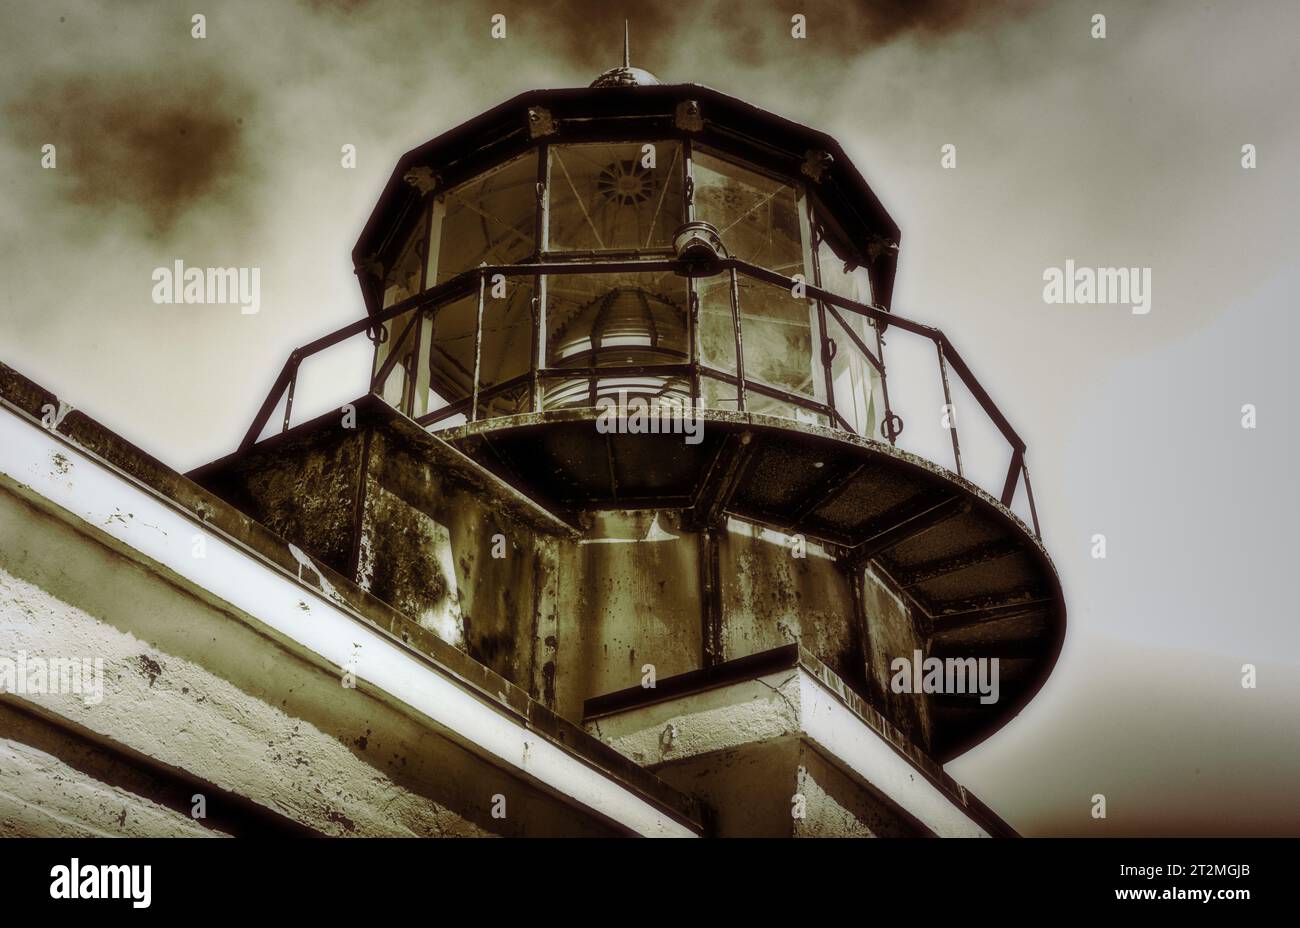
[596, 213]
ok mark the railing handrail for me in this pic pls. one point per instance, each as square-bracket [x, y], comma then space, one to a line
[465, 283]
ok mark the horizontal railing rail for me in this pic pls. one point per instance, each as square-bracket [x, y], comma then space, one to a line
[474, 281]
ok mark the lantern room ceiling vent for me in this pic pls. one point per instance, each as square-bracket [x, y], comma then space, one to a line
[625, 183]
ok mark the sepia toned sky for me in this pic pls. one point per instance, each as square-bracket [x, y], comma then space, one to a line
[1123, 151]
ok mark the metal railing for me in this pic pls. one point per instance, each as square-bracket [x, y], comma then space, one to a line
[830, 305]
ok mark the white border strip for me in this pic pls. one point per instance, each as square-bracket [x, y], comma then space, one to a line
[840, 732]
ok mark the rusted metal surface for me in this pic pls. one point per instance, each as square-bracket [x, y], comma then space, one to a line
[951, 557]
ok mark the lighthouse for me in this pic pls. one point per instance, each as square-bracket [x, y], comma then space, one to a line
[789, 602]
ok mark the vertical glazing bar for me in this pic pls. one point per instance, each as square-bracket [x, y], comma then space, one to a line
[828, 346]
[1029, 493]
[544, 318]
[539, 291]
[542, 229]
[950, 410]
[740, 342]
[420, 371]
[535, 361]
[688, 189]
[478, 348]
[408, 381]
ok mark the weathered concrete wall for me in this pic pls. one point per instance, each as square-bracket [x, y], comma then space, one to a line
[750, 788]
[781, 747]
[302, 489]
[412, 530]
[783, 788]
[892, 633]
[57, 784]
[427, 548]
[741, 749]
[193, 692]
[771, 598]
[628, 595]
[838, 807]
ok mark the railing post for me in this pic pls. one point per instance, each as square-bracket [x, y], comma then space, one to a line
[1013, 474]
[536, 346]
[1029, 493]
[295, 360]
[697, 385]
[394, 357]
[884, 385]
[950, 411]
[268, 404]
[828, 349]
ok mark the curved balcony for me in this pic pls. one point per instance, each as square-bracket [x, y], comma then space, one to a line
[774, 456]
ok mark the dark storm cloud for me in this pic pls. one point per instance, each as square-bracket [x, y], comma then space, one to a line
[590, 32]
[592, 29]
[151, 145]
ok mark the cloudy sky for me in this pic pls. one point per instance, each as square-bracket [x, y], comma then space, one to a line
[1123, 151]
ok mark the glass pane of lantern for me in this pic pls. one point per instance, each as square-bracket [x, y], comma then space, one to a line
[506, 401]
[507, 342]
[402, 279]
[603, 320]
[451, 354]
[401, 282]
[832, 265]
[718, 394]
[612, 198]
[489, 219]
[758, 217]
[856, 380]
[399, 382]
[717, 329]
[656, 390]
[771, 406]
[616, 320]
[778, 334]
[672, 392]
[558, 393]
